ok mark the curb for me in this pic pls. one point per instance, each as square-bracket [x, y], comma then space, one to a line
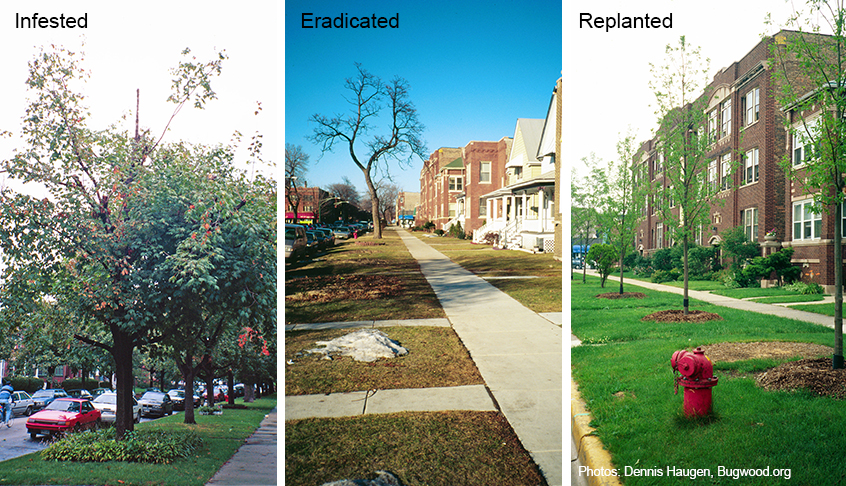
[592, 453]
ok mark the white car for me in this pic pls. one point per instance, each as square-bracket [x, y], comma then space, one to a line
[106, 403]
[22, 403]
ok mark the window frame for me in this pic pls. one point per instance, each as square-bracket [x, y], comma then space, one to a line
[483, 172]
[752, 100]
[813, 224]
[749, 221]
[751, 166]
[725, 118]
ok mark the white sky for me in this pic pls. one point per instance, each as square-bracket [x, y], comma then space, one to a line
[130, 45]
[607, 73]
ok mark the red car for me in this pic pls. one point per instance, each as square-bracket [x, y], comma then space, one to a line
[63, 415]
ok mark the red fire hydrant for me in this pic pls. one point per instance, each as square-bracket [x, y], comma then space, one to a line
[697, 378]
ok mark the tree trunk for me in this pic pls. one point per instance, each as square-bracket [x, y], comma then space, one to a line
[374, 205]
[686, 268]
[186, 368]
[837, 358]
[249, 392]
[210, 387]
[230, 382]
[122, 353]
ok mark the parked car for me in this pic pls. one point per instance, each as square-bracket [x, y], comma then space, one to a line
[342, 233]
[295, 241]
[155, 403]
[106, 403]
[99, 391]
[178, 399]
[43, 398]
[219, 394]
[81, 393]
[22, 403]
[63, 415]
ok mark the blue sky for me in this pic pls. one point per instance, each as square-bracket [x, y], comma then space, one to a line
[474, 68]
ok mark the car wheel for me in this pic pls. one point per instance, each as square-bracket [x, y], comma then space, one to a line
[33, 435]
[28, 411]
[137, 418]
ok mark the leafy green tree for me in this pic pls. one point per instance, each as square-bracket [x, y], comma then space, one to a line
[586, 195]
[738, 247]
[623, 202]
[810, 75]
[88, 227]
[683, 142]
[604, 256]
[368, 96]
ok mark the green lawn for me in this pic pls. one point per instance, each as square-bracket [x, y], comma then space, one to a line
[824, 309]
[222, 436]
[646, 428]
[781, 299]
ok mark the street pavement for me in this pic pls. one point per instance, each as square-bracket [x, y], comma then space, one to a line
[517, 352]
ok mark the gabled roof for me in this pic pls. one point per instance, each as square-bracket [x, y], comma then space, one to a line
[527, 137]
[455, 164]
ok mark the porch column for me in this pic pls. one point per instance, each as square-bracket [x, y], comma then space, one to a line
[489, 215]
[525, 209]
[541, 210]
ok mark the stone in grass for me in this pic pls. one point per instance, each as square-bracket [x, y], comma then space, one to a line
[365, 345]
[383, 478]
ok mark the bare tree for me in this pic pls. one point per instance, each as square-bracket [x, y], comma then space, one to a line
[370, 96]
[296, 166]
[344, 192]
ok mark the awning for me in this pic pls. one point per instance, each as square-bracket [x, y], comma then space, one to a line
[308, 215]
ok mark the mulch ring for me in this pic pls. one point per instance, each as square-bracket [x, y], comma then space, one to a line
[814, 374]
[624, 295]
[678, 316]
[332, 288]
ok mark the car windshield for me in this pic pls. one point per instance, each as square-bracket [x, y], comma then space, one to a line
[176, 393]
[106, 398]
[63, 406]
[42, 393]
[156, 396]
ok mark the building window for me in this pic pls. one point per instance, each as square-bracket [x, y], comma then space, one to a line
[749, 221]
[750, 175]
[807, 225]
[483, 208]
[485, 172]
[712, 126]
[802, 144]
[725, 118]
[712, 176]
[752, 101]
[725, 171]
[659, 235]
[671, 202]
[456, 183]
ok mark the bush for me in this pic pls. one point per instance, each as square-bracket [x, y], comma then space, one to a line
[738, 248]
[491, 238]
[805, 288]
[76, 384]
[642, 266]
[147, 445]
[662, 276]
[456, 231]
[428, 225]
[663, 260]
[439, 232]
[604, 257]
[27, 383]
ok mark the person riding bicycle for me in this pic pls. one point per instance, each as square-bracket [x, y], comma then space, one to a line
[6, 400]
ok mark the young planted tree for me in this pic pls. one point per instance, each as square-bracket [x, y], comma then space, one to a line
[810, 72]
[684, 191]
[623, 201]
[586, 195]
[401, 140]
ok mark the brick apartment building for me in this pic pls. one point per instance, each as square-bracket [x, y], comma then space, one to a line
[453, 179]
[744, 162]
[310, 204]
[745, 121]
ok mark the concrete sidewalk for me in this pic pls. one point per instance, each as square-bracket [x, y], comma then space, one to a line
[517, 352]
[255, 461]
[770, 309]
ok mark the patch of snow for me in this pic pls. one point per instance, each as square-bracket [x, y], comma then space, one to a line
[365, 345]
[383, 478]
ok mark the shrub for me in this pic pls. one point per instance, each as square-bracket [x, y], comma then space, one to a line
[662, 276]
[805, 288]
[147, 445]
[428, 225]
[76, 384]
[642, 266]
[439, 232]
[27, 383]
[491, 238]
[663, 259]
[456, 231]
[604, 257]
[738, 248]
